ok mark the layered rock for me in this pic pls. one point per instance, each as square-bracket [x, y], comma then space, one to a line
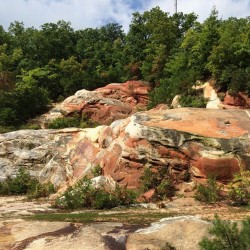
[104, 105]
[189, 142]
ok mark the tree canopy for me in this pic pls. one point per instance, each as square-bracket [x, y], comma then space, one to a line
[171, 52]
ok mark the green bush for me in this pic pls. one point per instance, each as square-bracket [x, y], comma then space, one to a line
[84, 195]
[159, 179]
[76, 121]
[24, 183]
[208, 192]
[239, 188]
[38, 190]
[96, 171]
[194, 101]
[64, 122]
[18, 185]
[227, 236]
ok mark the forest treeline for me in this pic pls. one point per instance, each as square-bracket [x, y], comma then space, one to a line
[171, 52]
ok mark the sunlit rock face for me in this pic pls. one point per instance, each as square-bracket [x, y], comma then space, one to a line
[189, 142]
[107, 104]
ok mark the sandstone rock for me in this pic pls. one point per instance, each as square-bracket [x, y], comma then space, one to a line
[105, 105]
[104, 182]
[197, 142]
[240, 100]
[178, 231]
[176, 102]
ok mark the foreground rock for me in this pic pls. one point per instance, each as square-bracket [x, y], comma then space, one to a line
[16, 235]
[104, 105]
[184, 232]
[178, 231]
[189, 142]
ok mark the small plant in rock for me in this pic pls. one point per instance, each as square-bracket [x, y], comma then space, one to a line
[227, 236]
[159, 179]
[167, 246]
[208, 192]
[239, 188]
[96, 171]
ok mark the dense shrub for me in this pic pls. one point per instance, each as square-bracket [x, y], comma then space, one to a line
[159, 179]
[76, 121]
[24, 183]
[194, 101]
[208, 192]
[84, 195]
[239, 188]
[64, 122]
[96, 171]
[227, 236]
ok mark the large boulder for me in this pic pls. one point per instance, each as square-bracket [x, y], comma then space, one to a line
[105, 105]
[199, 141]
[189, 142]
[177, 231]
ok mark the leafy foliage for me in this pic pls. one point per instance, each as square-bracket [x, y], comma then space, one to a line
[24, 183]
[38, 66]
[72, 121]
[208, 192]
[159, 179]
[96, 171]
[227, 236]
[239, 188]
[84, 195]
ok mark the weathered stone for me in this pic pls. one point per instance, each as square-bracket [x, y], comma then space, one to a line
[107, 104]
[178, 231]
[195, 142]
[239, 100]
[104, 182]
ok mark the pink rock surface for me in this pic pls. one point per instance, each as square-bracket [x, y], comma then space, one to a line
[105, 105]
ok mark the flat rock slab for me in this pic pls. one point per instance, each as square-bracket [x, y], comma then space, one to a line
[205, 122]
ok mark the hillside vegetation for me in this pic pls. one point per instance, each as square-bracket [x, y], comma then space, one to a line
[38, 66]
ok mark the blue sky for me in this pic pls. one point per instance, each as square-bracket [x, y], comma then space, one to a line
[94, 13]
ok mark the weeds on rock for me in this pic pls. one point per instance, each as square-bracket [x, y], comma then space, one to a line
[208, 192]
[96, 171]
[228, 236]
[84, 195]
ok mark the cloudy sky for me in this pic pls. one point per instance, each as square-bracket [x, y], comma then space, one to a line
[94, 13]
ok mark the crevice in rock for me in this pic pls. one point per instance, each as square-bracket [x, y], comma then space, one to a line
[21, 245]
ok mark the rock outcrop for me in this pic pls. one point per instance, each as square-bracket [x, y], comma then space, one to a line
[239, 100]
[189, 142]
[104, 105]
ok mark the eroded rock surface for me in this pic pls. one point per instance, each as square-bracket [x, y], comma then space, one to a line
[107, 104]
[176, 231]
[190, 142]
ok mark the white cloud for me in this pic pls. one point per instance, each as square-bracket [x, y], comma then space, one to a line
[226, 8]
[94, 13]
[81, 13]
